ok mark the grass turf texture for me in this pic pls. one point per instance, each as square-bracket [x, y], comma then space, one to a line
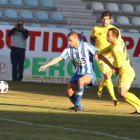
[47, 104]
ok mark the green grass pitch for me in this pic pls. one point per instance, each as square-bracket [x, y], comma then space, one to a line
[39, 111]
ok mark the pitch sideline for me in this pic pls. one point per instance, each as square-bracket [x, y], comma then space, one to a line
[65, 128]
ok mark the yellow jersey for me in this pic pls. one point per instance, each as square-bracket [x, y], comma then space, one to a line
[100, 33]
[119, 54]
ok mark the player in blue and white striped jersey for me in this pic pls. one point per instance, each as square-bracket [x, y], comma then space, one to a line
[81, 54]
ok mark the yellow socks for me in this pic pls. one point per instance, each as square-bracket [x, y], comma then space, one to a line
[102, 84]
[110, 88]
[133, 100]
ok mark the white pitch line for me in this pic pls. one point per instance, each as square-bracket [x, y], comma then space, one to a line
[65, 128]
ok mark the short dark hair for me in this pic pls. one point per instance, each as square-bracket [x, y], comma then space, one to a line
[72, 33]
[114, 31]
[21, 21]
[106, 13]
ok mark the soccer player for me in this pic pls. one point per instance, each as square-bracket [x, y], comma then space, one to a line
[81, 54]
[121, 66]
[98, 36]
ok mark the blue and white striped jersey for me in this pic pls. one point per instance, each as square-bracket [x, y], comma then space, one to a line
[82, 57]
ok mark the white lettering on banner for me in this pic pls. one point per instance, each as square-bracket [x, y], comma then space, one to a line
[45, 43]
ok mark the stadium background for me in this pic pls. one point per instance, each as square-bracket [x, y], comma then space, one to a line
[48, 30]
[39, 111]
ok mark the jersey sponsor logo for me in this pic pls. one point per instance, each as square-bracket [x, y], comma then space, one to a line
[80, 61]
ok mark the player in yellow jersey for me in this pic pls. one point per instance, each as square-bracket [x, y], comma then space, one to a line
[98, 36]
[121, 66]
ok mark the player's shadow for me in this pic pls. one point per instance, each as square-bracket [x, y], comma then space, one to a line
[45, 107]
[59, 90]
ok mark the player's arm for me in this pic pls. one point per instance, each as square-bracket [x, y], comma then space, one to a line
[100, 56]
[117, 59]
[105, 50]
[52, 62]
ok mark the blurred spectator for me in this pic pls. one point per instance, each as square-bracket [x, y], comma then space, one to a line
[18, 48]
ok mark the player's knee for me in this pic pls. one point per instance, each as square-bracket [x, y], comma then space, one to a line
[107, 75]
[68, 93]
[122, 95]
[80, 83]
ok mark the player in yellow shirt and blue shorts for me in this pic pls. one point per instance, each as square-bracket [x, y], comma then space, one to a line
[98, 36]
[121, 66]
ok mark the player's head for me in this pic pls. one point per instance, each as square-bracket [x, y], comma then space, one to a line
[106, 18]
[112, 35]
[73, 39]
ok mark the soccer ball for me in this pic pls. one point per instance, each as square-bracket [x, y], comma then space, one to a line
[3, 87]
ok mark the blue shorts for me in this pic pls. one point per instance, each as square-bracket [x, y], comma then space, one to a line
[75, 78]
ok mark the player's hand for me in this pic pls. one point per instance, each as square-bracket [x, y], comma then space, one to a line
[42, 68]
[115, 70]
[96, 56]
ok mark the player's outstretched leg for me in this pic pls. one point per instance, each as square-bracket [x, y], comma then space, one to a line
[70, 93]
[84, 80]
[110, 89]
[79, 94]
[133, 101]
[107, 72]
[100, 88]
[72, 98]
